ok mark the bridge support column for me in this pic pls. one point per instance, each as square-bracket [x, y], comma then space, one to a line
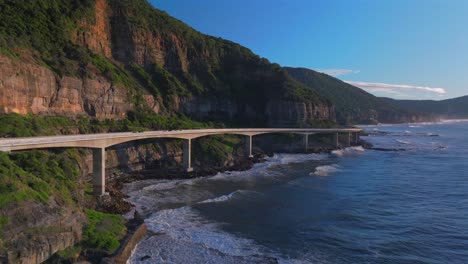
[187, 155]
[248, 146]
[306, 142]
[348, 139]
[99, 171]
[336, 142]
[356, 138]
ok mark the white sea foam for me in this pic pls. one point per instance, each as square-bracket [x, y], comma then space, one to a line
[450, 121]
[219, 199]
[183, 235]
[187, 225]
[161, 186]
[260, 170]
[233, 195]
[325, 170]
[151, 195]
[162, 248]
[151, 185]
[348, 151]
[283, 158]
[403, 142]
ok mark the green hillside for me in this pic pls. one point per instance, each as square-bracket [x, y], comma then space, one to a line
[353, 105]
[450, 108]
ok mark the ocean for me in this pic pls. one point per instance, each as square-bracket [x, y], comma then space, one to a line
[404, 203]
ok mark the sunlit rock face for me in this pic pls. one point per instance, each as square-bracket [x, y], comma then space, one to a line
[168, 68]
[26, 87]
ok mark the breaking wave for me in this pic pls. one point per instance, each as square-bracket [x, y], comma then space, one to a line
[182, 235]
[402, 142]
[233, 195]
[325, 170]
[348, 151]
[179, 233]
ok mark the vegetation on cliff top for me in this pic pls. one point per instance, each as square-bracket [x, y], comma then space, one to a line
[103, 231]
[15, 125]
[44, 26]
[36, 175]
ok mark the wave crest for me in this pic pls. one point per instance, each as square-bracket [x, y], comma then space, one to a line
[325, 170]
[347, 151]
[233, 195]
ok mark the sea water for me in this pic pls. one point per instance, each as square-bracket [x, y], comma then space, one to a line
[404, 203]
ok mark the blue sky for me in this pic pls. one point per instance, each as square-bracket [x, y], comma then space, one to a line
[413, 49]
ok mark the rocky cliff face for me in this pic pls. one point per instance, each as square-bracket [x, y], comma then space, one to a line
[26, 87]
[293, 114]
[95, 36]
[154, 61]
[40, 230]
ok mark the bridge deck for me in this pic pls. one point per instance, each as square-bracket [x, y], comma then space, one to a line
[99, 143]
[109, 139]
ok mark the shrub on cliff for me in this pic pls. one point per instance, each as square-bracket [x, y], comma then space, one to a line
[36, 175]
[15, 125]
[103, 231]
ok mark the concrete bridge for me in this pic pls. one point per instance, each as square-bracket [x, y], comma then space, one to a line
[99, 142]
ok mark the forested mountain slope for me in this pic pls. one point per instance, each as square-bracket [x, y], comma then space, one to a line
[449, 108]
[352, 104]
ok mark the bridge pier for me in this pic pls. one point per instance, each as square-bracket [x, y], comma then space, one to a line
[306, 142]
[336, 142]
[356, 138]
[187, 155]
[248, 146]
[348, 139]
[99, 171]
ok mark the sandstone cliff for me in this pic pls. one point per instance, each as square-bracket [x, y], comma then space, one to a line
[26, 87]
[122, 56]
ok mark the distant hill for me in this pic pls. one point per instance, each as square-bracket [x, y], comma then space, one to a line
[450, 108]
[352, 104]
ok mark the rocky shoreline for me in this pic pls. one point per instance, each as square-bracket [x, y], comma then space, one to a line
[116, 202]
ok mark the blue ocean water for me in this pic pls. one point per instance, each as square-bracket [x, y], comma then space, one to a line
[406, 205]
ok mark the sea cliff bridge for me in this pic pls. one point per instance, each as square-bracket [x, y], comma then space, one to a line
[99, 142]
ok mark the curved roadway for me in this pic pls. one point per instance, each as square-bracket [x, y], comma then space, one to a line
[105, 140]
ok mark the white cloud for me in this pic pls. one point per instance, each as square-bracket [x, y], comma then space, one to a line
[389, 88]
[337, 72]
